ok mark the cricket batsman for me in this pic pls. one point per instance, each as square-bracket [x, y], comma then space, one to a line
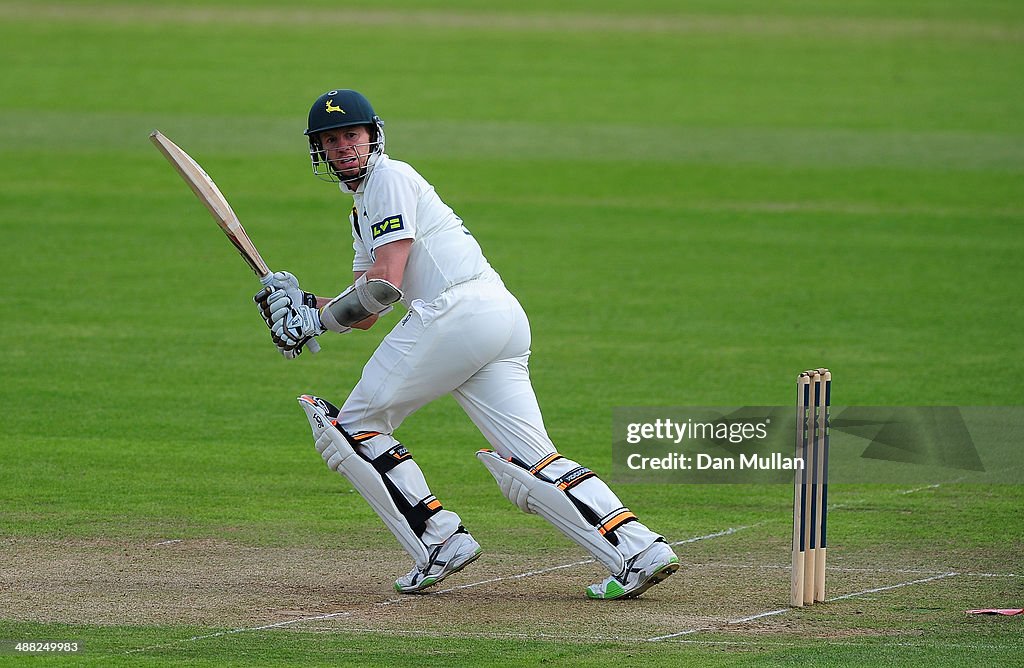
[463, 334]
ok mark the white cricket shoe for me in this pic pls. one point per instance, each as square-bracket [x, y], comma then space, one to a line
[449, 557]
[642, 572]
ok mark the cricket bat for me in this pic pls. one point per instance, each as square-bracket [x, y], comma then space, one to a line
[210, 195]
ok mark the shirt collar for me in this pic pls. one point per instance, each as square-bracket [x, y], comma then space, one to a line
[362, 184]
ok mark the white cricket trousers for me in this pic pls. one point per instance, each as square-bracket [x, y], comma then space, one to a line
[472, 342]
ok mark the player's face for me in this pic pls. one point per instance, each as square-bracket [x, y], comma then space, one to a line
[347, 150]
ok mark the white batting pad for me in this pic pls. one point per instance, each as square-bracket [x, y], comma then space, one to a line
[536, 496]
[339, 456]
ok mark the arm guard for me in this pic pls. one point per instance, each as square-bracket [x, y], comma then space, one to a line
[358, 302]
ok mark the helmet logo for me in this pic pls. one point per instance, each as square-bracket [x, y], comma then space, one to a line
[331, 107]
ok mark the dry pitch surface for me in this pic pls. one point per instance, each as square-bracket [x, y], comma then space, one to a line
[732, 590]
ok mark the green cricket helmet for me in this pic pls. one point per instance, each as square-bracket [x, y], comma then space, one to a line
[341, 108]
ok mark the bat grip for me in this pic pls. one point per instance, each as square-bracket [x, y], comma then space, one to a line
[311, 344]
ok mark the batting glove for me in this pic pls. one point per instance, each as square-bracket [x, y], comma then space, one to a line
[276, 309]
[294, 323]
[271, 302]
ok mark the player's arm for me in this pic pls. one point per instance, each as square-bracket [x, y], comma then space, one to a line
[295, 316]
[362, 324]
[390, 262]
[390, 266]
[371, 293]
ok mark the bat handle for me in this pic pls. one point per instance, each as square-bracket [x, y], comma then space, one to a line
[311, 345]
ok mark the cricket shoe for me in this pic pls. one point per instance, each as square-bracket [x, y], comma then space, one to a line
[642, 572]
[449, 557]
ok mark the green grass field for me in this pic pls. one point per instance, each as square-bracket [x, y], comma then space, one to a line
[693, 200]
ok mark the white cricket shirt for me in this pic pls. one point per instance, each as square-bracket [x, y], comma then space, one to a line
[394, 202]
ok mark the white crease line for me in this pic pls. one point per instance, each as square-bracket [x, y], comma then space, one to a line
[857, 502]
[338, 615]
[895, 586]
[920, 489]
[681, 633]
[991, 575]
[168, 542]
[695, 539]
[726, 532]
[837, 569]
[240, 630]
[393, 601]
[491, 634]
[512, 577]
[780, 611]
[497, 635]
[935, 486]
[760, 615]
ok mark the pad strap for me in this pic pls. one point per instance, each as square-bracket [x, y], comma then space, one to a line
[415, 514]
[533, 494]
[418, 515]
[544, 463]
[574, 477]
[606, 525]
[614, 520]
[391, 459]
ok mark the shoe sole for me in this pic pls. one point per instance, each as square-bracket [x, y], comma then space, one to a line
[430, 582]
[657, 577]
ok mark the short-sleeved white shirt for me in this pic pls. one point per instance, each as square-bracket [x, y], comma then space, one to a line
[394, 202]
